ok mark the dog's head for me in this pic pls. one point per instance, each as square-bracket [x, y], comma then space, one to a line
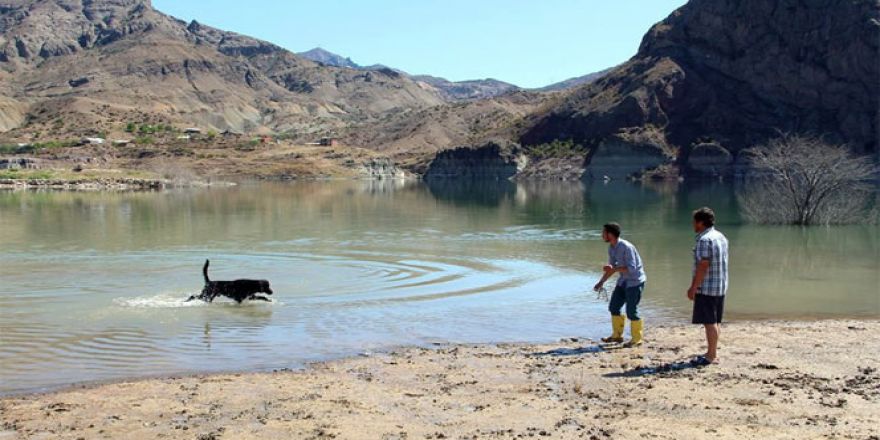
[264, 287]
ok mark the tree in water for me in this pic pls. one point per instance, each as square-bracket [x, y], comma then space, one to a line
[803, 180]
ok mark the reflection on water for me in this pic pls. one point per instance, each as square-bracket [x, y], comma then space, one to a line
[93, 283]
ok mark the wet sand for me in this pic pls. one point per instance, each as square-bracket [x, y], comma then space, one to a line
[776, 380]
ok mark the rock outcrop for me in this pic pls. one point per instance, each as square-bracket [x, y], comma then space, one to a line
[719, 76]
[624, 156]
[382, 169]
[19, 163]
[489, 162]
[320, 55]
[710, 159]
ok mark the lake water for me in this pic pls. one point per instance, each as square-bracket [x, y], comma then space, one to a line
[92, 284]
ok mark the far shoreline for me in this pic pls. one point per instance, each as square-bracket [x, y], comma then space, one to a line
[160, 185]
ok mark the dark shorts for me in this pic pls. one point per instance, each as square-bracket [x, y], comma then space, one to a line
[708, 309]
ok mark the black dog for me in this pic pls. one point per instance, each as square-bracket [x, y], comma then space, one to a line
[239, 290]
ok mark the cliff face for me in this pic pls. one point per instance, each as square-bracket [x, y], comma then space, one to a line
[37, 30]
[489, 162]
[733, 73]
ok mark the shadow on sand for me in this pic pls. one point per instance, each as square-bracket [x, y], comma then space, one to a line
[666, 368]
[590, 349]
[693, 363]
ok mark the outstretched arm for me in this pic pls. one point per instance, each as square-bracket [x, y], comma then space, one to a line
[609, 271]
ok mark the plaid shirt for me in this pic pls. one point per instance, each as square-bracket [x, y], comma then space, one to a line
[712, 245]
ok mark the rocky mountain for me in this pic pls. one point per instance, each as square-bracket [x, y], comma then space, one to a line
[413, 139]
[713, 79]
[322, 56]
[452, 91]
[101, 62]
[467, 90]
[719, 76]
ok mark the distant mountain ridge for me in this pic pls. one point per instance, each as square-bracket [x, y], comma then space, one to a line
[322, 56]
[449, 90]
[575, 82]
[453, 90]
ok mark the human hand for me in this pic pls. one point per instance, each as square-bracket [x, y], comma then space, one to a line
[692, 293]
[598, 287]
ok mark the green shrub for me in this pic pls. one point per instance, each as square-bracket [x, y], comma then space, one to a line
[27, 175]
[148, 129]
[39, 175]
[9, 174]
[9, 149]
[131, 127]
[558, 148]
[49, 145]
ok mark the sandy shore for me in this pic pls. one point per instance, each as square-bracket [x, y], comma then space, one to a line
[776, 380]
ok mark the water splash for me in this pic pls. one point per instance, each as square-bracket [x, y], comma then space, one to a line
[172, 300]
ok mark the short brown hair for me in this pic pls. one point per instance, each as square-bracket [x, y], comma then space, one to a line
[706, 216]
[612, 228]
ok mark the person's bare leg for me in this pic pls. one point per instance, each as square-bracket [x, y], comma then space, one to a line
[713, 332]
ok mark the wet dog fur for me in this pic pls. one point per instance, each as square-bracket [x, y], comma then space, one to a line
[238, 290]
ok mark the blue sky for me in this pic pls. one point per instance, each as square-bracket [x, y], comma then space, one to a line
[526, 42]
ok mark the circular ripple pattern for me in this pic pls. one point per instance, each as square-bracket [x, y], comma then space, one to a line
[100, 317]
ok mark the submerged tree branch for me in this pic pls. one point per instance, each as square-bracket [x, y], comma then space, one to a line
[803, 180]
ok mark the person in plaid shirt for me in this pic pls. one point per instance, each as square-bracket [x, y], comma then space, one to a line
[709, 284]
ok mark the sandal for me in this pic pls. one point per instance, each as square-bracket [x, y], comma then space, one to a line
[701, 361]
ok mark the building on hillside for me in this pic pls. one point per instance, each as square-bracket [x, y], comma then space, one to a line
[328, 142]
[92, 141]
[192, 130]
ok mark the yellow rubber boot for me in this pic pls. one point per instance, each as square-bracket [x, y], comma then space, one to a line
[635, 328]
[618, 322]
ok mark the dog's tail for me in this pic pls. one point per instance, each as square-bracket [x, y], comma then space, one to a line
[205, 271]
